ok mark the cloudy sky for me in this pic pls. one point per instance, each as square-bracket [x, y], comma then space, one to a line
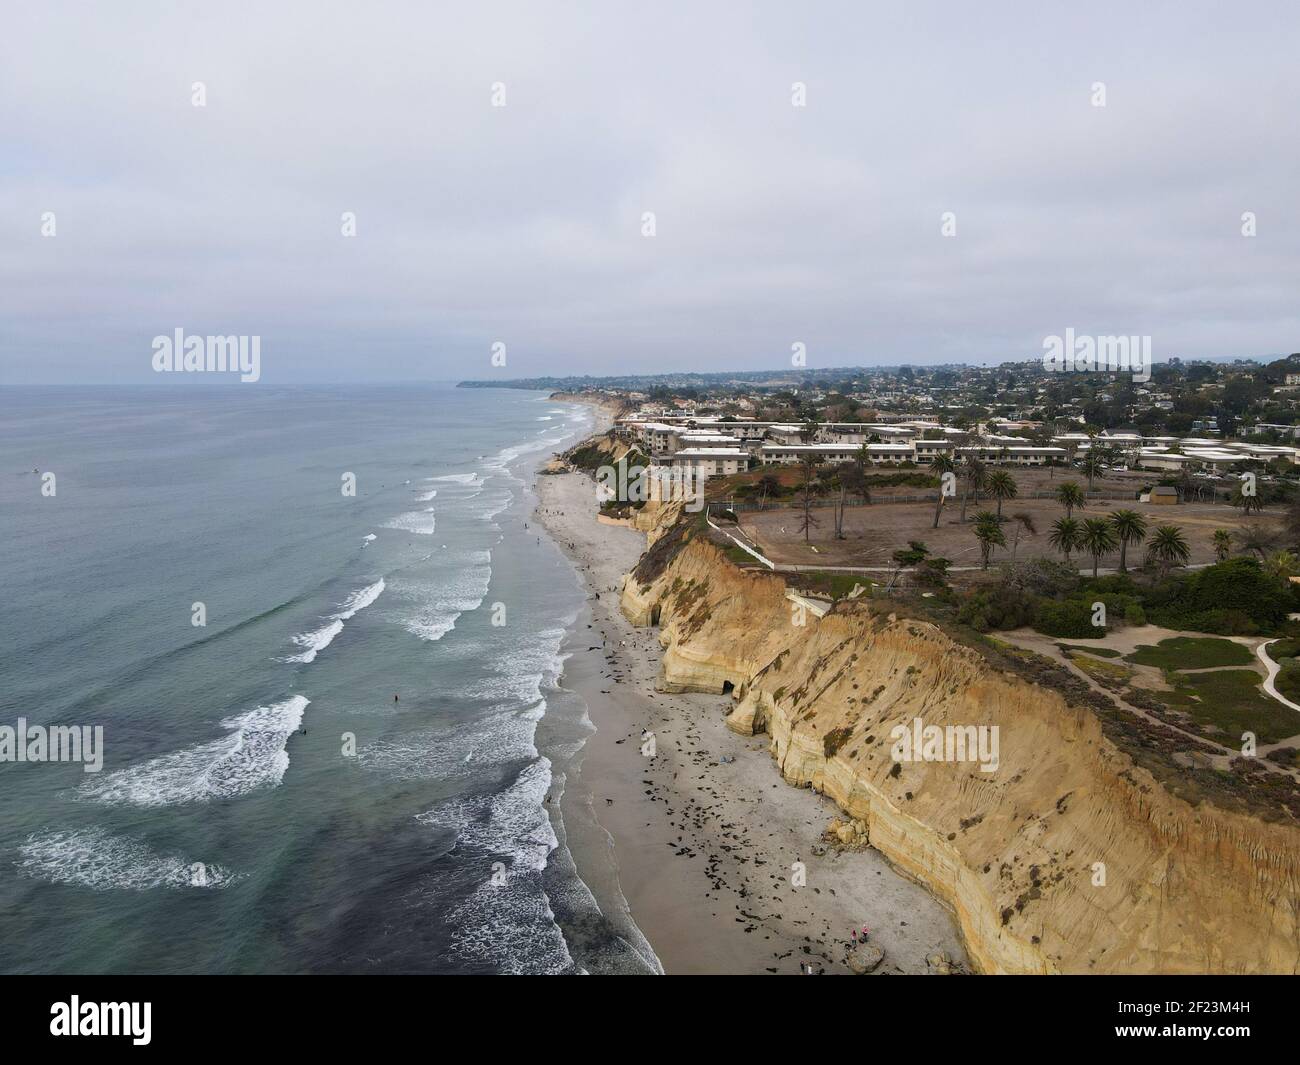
[524, 223]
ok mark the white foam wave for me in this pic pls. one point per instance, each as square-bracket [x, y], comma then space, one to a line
[314, 642]
[359, 600]
[421, 522]
[432, 605]
[250, 757]
[424, 497]
[488, 923]
[92, 858]
[459, 478]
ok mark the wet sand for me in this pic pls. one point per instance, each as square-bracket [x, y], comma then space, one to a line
[702, 850]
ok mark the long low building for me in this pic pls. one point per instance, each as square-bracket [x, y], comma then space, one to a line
[822, 454]
[709, 462]
[1015, 456]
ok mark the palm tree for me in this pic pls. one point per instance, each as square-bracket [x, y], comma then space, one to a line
[1282, 565]
[1002, 485]
[1222, 543]
[1019, 519]
[1092, 463]
[1070, 496]
[1065, 536]
[976, 478]
[1250, 502]
[1130, 527]
[939, 465]
[1098, 538]
[1168, 547]
[988, 531]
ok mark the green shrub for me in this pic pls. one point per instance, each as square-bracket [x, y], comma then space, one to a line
[1071, 618]
[1134, 614]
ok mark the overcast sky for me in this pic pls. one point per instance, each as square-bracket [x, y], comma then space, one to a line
[523, 223]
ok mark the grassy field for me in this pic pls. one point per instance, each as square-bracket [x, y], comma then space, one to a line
[1192, 652]
[1233, 700]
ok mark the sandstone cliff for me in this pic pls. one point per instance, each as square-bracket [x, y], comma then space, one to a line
[1014, 852]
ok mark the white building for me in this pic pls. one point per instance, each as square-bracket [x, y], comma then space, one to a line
[706, 462]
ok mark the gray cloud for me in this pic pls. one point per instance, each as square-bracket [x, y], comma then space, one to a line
[522, 223]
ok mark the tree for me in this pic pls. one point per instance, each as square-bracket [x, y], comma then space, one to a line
[1249, 502]
[808, 521]
[1092, 463]
[913, 554]
[850, 480]
[860, 459]
[1065, 536]
[1222, 543]
[1070, 496]
[1001, 486]
[1131, 528]
[1281, 564]
[809, 430]
[976, 476]
[940, 465]
[1255, 537]
[770, 484]
[1021, 519]
[988, 531]
[1098, 538]
[1168, 547]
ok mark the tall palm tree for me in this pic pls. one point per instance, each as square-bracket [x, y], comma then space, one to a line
[1098, 538]
[1065, 536]
[1092, 463]
[1222, 544]
[1130, 527]
[1168, 547]
[988, 531]
[939, 465]
[1001, 486]
[1070, 496]
[976, 475]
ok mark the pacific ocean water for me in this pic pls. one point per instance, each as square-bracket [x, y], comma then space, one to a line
[337, 771]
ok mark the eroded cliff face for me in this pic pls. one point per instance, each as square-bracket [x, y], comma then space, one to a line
[1014, 852]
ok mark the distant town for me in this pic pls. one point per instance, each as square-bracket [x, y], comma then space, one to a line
[1203, 419]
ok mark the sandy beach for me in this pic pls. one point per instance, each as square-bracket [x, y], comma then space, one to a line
[700, 848]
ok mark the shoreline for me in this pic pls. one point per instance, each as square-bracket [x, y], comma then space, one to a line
[671, 843]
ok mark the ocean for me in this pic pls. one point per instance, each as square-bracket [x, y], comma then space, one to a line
[338, 770]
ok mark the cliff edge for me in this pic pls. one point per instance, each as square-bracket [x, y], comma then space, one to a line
[1068, 857]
